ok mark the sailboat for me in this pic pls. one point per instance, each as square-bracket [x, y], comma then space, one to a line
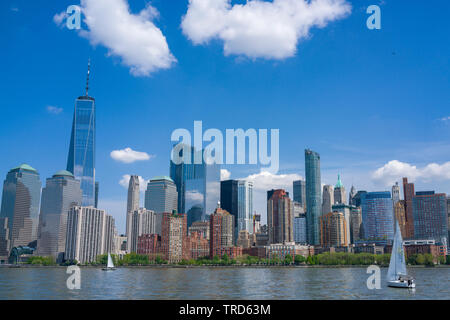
[110, 265]
[397, 275]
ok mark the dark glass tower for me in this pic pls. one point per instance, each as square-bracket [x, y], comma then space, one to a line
[313, 196]
[81, 159]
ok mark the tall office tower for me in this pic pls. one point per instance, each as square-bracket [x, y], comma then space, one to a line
[132, 205]
[356, 201]
[221, 229]
[408, 194]
[161, 195]
[399, 214]
[110, 235]
[430, 216]
[81, 159]
[97, 190]
[4, 240]
[377, 215]
[280, 218]
[297, 209]
[299, 188]
[20, 205]
[61, 192]
[198, 184]
[87, 234]
[174, 237]
[346, 211]
[300, 229]
[351, 196]
[333, 230]
[395, 193]
[355, 224]
[143, 221]
[339, 192]
[313, 196]
[327, 198]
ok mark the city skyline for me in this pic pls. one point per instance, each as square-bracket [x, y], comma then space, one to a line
[370, 98]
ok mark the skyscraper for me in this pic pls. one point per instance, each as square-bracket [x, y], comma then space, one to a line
[132, 205]
[198, 184]
[299, 188]
[408, 194]
[399, 213]
[313, 196]
[300, 229]
[174, 237]
[327, 198]
[334, 230]
[377, 215]
[161, 195]
[280, 217]
[81, 159]
[61, 192]
[346, 211]
[221, 231]
[430, 216]
[20, 205]
[351, 196]
[88, 233]
[143, 221]
[355, 224]
[395, 193]
[339, 192]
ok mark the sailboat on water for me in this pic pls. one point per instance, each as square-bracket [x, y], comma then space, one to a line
[110, 265]
[397, 275]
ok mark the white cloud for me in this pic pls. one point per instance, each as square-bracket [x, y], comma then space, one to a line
[132, 37]
[395, 170]
[54, 110]
[259, 29]
[124, 182]
[445, 119]
[128, 155]
[224, 174]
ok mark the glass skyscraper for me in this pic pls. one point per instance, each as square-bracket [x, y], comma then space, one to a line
[81, 159]
[313, 196]
[377, 216]
[299, 188]
[20, 205]
[198, 186]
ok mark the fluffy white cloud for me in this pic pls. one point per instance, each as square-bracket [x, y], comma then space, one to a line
[224, 174]
[259, 29]
[395, 170]
[128, 155]
[54, 110]
[132, 37]
[124, 182]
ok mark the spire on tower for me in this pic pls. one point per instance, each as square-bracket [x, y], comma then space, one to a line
[87, 79]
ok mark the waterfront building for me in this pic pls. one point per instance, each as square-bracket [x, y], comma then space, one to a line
[299, 187]
[132, 205]
[61, 192]
[201, 227]
[161, 195]
[430, 216]
[4, 240]
[408, 194]
[377, 216]
[280, 218]
[150, 245]
[300, 229]
[81, 158]
[197, 246]
[143, 221]
[246, 239]
[88, 234]
[198, 185]
[173, 237]
[313, 196]
[339, 192]
[256, 223]
[351, 196]
[327, 198]
[346, 211]
[221, 231]
[448, 214]
[20, 208]
[333, 228]
[413, 247]
[280, 251]
[400, 216]
[355, 224]
[120, 245]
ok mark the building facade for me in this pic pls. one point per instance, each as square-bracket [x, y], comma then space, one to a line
[61, 192]
[408, 194]
[161, 195]
[20, 207]
[327, 198]
[377, 216]
[173, 237]
[221, 232]
[300, 229]
[333, 230]
[143, 221]
[299, 188]
[340, 196]
[400, 216]
[132, 205]
[313, 196]
[280, 217]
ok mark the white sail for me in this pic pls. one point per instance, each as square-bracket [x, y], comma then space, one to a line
[110, 262]
[397, 265]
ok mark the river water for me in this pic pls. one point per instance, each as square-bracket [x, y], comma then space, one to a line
[217, 283]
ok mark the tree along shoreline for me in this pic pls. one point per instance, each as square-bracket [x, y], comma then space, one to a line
[341, 259]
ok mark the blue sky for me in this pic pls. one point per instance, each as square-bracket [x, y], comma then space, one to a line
[361, 98]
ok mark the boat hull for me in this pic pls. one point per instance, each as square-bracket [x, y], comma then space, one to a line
[401, 284]
[108, 269]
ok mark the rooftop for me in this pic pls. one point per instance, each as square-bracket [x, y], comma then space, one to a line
[25, 167]
[63, 173]
[161, 178]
